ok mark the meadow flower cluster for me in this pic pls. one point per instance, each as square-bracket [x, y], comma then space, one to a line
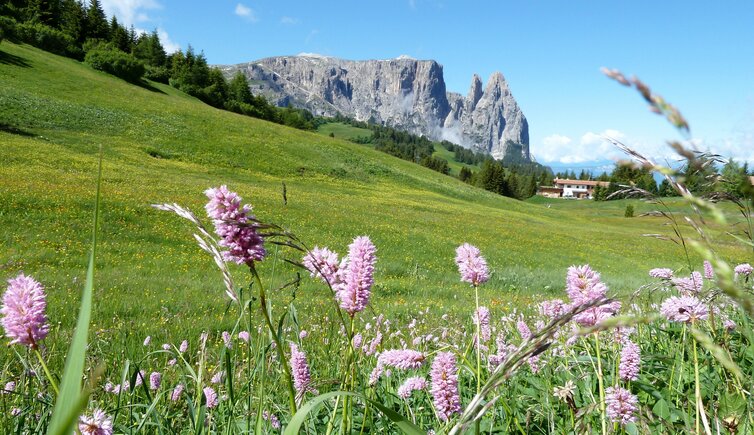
[583, 362]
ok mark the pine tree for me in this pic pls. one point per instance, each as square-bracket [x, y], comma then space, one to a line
[96, 22]
[73, 20]
[119, 36]
[238, 89]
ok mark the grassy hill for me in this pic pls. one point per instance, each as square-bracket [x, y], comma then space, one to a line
[161, 145]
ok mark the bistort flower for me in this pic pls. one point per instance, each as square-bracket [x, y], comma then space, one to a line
[410, 385]
[471, 265]
[621, 405]
[235, 225]
[299, 370]
[444, 376]
[684, 309]
[24, 318]
[96, 424]
[358, 277]
[630, 361]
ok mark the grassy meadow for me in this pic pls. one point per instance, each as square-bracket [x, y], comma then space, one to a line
[163, 146]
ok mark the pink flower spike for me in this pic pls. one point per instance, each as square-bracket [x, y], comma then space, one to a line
[23, 310]
[358, 277]
[444, 376]
[471, 265]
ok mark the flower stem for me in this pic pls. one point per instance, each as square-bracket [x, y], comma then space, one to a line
[697, 390]
[478, 352]
[47, 372]
[601, 385]
[275, 338]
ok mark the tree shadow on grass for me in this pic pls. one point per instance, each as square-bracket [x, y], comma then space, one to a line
[15, 130]
[148, 86]
[12, 59]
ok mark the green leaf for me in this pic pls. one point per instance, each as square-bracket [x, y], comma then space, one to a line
[661, 409]
[70, 401]
[298, 419]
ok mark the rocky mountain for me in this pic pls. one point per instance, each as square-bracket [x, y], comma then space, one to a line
[403, 93]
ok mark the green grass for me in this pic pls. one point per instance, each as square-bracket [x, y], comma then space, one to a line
[343, 131]
[455, 167]
[163, 146]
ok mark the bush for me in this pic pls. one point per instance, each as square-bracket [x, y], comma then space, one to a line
[629, 211]
[113, 61]
[158, 74]
[48, 39]
[8, 28]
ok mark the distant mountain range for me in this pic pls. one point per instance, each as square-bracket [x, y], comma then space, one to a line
[403, 93]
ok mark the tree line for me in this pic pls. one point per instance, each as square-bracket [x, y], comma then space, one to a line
[82, 31]
[518, 179]
[731, 178]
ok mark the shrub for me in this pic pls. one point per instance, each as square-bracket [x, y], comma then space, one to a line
[7, 28]
[158, 74]
[48, 39]
[629, 211]
[113, 61]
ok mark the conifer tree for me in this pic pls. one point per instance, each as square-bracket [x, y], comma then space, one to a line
[96, 22]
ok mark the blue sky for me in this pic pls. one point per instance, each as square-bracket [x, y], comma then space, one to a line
[698, 55]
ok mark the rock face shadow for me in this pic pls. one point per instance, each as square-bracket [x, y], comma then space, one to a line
[12, 59]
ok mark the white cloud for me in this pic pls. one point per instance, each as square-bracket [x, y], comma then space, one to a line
[246, 12]
[557, 148]
[130, 12]
[170, 46]
[289, 21]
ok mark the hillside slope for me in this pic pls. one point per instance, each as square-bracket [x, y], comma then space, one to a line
[163, 146]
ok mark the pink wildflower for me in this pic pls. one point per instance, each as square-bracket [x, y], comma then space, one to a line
[523, 329]
[235, 225]
[411, 385]
[482, 318]
[23, 311]
[684, 309]
[272, 418]
[471, 265]
[227, 339]
[630, 360]
[244, 336]
[358, 276]
[444, 376]
[744, 269]
[323, 263]
[177, 391]
[218, 377]
[154, 381]
[403, 359]
[184, 346]
[661, 273]
[299, 370]
[98, 423]
[621, 405]
[210, 397]
[689, 286]
[357, 340]
[553, 309]
[303, 334]
[583, 285]
[148, 340]
[709, 273]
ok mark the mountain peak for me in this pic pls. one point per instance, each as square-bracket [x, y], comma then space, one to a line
[404, 93]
